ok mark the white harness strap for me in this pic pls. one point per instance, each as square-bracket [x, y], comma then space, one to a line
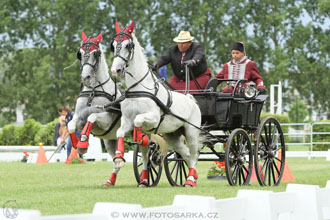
[237, 71]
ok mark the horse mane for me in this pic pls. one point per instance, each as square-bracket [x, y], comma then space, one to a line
[103, 61]
[138, 45]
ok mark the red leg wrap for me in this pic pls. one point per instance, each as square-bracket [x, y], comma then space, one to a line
[111, 181]
[144, 177]
[74, 140]
[137, 134]
[120, 149]
[83, 143]
[140, 137]
[192, 177]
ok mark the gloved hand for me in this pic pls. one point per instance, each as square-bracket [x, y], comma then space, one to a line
[262, 91]
[154, 66]
[189, 63]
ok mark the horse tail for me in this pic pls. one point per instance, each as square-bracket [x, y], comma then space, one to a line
[163, 146]
[203, 136]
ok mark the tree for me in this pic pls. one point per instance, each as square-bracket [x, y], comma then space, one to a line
[298, 111]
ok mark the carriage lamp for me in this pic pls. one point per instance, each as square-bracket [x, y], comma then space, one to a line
[249, 92]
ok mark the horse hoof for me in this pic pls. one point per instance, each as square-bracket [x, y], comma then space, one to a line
[190, 183]
[119, 163]
[143, 185]
[107, 185]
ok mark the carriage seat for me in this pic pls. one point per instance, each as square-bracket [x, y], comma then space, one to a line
[212, 85]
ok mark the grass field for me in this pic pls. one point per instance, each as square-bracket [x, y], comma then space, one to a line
[71, 189]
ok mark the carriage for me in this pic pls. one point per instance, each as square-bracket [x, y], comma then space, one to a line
[233, 120]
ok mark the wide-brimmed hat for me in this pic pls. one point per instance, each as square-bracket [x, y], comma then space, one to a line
[184, 36]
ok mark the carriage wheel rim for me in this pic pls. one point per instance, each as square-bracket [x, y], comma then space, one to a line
[269, 152]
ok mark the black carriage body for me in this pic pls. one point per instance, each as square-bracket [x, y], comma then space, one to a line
[228, 111]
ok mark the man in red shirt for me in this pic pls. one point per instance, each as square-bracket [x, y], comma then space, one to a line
[241, 68]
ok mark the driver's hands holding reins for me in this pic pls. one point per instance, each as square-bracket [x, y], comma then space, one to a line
[154, 66]
[189, 63]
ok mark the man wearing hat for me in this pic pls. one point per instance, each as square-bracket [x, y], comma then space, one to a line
[187, 53]
[241, 68]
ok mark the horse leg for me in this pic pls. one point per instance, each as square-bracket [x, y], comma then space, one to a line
[72, 131]
[149, 118]
[102, 120]
[111, 148]
[192, 135]
[144, 178]
[125, 126]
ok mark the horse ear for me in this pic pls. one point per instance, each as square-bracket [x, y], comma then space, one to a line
[118, 29]
[83, 36]
[99, 38]
[130, 28]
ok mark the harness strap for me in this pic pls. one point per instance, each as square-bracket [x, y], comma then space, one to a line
[112, 125]
[91, 94]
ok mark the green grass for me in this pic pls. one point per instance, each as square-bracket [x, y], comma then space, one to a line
[58, 188]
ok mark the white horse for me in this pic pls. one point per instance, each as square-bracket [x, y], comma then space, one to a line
[150, 107]
[98, 89]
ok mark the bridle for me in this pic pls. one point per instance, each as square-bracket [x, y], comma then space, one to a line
[93, 93]
[130, 46]
[87, 49]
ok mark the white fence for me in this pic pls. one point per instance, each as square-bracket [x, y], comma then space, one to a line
[298, 202]
[306, 134]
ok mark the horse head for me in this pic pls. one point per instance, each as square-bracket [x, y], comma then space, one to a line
[123, 48]
[89, 55]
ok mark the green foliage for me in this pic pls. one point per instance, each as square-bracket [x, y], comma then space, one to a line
[281, 118]
[31, 133]
[8, 135]
[298, 111]
[27, 132]
[45, 134]
[40, 38]
[217, 169]
[321, 137]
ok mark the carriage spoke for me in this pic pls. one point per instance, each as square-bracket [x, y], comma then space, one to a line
[181, 172]
[243, 177]
[234, 175]
[140, 164]
[173, 168]
[276, 169]
[177, 172]
[266, 169]
[154, 169]
[269, 133]
[246, 170]
[266, 137]
[184, 170]
[264, 142]
[239, 176]
[152, 176]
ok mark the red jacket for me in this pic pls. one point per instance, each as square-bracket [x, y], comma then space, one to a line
[246, 69]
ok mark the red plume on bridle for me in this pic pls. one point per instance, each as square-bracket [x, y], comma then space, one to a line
[128, 30]
[95, 40]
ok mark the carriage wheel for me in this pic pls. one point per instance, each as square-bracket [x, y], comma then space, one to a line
[238, 158]
[269, 152]
[176, 169]
[154, 163]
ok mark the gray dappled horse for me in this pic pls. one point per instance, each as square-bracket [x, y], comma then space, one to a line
[151, 107]
[98, 89]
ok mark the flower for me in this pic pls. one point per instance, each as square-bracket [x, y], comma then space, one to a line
[218, 169]
[26, 154]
